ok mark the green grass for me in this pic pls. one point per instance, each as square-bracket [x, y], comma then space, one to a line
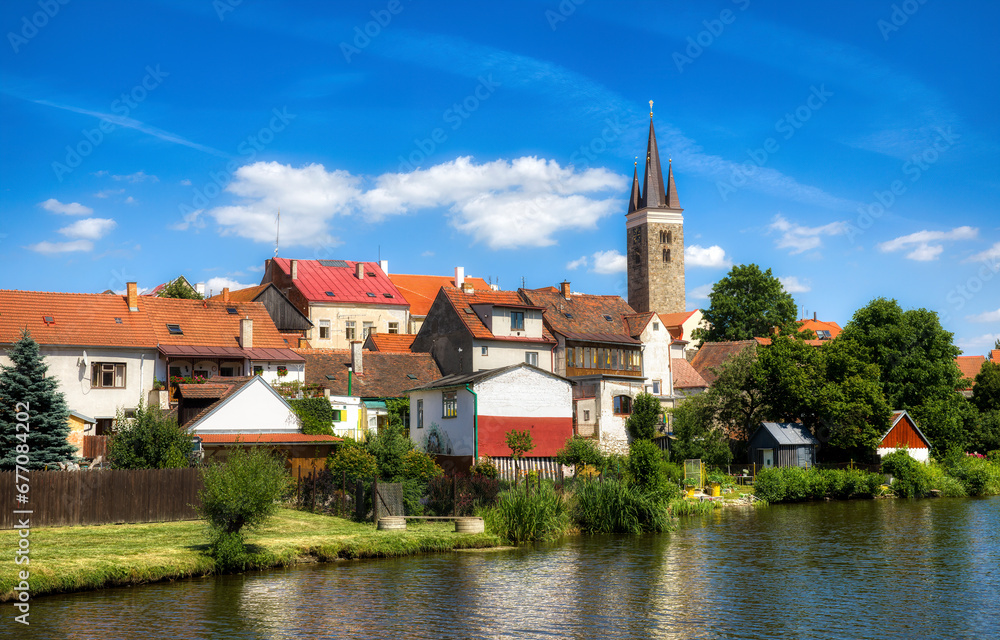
[81, 558]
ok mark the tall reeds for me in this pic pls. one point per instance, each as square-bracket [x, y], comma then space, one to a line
[525, 516]
[613, 506]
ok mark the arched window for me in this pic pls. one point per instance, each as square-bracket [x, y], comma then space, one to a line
[663, 237]
[623, 405]
[666, 255]
[670, 237]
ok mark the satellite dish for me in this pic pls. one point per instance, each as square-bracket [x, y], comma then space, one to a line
[86, 360]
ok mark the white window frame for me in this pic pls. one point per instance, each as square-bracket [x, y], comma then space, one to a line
[324, 329]
[531, 357]
[98, 369]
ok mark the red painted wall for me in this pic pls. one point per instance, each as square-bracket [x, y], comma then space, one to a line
[548, 434]
[903, 434]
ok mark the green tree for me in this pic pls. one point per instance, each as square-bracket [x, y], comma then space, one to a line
[26, 392]
[579, 451]
[646, 466]
[389, 447]
[149, 440]
[178, 288]
[986, 391]
[645, 419]
[697, 433]
[738, 396]
[520, 443]
[746, 304]
[353, 459]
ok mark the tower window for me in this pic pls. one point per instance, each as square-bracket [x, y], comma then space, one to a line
[666, 255]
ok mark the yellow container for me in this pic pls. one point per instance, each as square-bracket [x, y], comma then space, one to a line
[716, 490]
[690, 492]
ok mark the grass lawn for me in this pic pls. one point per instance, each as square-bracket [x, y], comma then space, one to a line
[81, 558]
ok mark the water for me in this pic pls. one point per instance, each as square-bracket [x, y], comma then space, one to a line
[866, 569]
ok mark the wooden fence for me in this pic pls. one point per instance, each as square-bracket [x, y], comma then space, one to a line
[546, 468]
[70, 498]
[94, 446]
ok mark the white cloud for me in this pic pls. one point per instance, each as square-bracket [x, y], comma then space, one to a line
[108, 192]
[131, 200]
[214, 286]
[799, 238]
[978, 344]
[89, 228]
[427, 254]
[70, 209]
[925, 245]
[185, 182]
[62, 247]
[576, 264]
[793, 285]
[700, 293]
[714, 257]
[138, 176]
[993, 253]
[608, 262]
[986, 316]
[192, 219]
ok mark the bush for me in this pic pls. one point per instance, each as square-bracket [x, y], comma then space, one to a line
[769, 485]
[417, 465]
[617, 507]
[316, 415]
[579, 452]
[389, 447]
[351, 458]
[474, 492]
[645, 465]
[644, 420]
[910, 477]
[485, 468]
[795, 484]
[949, 486]
[674, 472]
[523, 516]
[149, 440]
[979, 476]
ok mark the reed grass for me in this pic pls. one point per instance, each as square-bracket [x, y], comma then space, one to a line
[619, 507]
[525, 516]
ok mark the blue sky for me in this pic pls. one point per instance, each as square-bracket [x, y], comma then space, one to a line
[851, 147]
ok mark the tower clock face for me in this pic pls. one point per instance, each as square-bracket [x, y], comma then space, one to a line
[635, 244]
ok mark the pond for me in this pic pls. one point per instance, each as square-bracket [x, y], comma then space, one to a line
[861, 569]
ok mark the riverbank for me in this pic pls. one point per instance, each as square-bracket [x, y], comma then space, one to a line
[65, 559]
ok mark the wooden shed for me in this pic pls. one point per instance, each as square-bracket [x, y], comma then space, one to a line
[783, 444]
[904, 432]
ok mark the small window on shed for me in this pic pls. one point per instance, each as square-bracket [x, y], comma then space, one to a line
[175, 329]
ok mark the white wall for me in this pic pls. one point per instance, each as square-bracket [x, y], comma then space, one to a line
[656, 356]
[380, 316]
[502, 353]
[524, 392]
[611, 429]
[74, 378]
[497, 320]
[254, 409]
[921, 455]
[350, 425]
[456, 432]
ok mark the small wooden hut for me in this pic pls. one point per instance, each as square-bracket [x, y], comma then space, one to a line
[904, 432]
[782, 444]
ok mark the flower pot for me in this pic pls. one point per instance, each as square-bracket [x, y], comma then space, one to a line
[716, 489]
[690, 492]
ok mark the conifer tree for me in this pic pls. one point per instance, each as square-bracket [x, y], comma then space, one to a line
[25, 387]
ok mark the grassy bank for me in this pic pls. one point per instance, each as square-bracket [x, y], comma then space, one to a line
[80, 558]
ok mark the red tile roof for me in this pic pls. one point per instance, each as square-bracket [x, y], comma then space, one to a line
[637, 322]
[203, 391]
[820, 325]
[314, 280]
[390, 342]
[209, 323]
[386, 375]
[264, 438]
[713, 355]
[78, 319]
[685, 375]
[970, 366]
[675, 319]
[244, 295]
[995, 356]
[420, 291]
[584, 317]
[461, 301]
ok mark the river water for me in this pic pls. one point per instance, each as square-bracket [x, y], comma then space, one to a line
[863, 569]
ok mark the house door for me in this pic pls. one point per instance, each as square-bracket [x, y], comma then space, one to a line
[768, 457]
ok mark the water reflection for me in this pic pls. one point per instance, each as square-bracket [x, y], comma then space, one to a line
[886, 569]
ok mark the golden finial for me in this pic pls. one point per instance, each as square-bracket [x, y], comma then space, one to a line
[636, 163]
[650, 108]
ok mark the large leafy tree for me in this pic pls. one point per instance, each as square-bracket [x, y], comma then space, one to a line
[178, 288]
[986, 391]
[738, 395]
[644, 420]
[746, 304]
[697, 433]
[25, 389]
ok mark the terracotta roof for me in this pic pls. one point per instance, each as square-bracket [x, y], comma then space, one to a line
[268, 438]
[220, 389]
[819, 325]
[460, 301]
[685, 375]
[584, 317]
[713, 355]
[209, 322]
[995, 356]
[390, 342]
[675, 319]
[813, 343]
[244, 295]
[420, 291]
[206, 390]
[386, 375]
[970, 367]
[78, 319]
[314, 279]
[637, 322]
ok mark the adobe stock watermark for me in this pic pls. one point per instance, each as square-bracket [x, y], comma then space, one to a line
[222, 7]
[32, 26]
[963, 293]
[372, 29]
[588, 153]
[455, 115]
[705, 38]
[562, 12]
[899, 15]
[787, 126]
[121, 106]
[248, 150]
[913, 169]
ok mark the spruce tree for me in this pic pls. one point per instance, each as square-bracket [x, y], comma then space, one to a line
[25, 385]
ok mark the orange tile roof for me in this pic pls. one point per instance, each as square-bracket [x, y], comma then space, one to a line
[995, 356]
[635, 324]
[244, 295]
[675, 319]
[970, 366]
[461, 300]
[420, 291]
[78, 319]
[585, 317]
[209, 323]
[390, 342]
[820, 325]
[685, 375]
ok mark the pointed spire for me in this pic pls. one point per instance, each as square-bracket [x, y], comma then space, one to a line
[653, 194]
[633, 201]
[672, 201]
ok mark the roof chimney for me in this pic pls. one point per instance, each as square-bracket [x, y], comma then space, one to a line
[359, 271]
[132, 294]
[564, 289]
[384, 266]
[357, 363]
[814, 316]
[459, 276]
[246, 333]
[294, 268]
[225, 294]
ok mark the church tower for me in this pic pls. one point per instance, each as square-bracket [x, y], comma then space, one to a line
[654, 231]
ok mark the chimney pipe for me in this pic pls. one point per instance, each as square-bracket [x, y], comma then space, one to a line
[246, 333]
[814, 316]
[459, 276]
[132, 294]
[564, 288]
[384, 266]
[294, 268]
[357, 362]
[225, 294]
[359, 271]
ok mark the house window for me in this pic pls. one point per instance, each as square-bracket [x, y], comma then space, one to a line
[517, 321]
[666, 255]
[349, 330]
[227, 372]
[338, 415]
[485, 351]
[531, 357]
[324, 329]
[656, 387]
[656, 326]
[450, 404]
[393, 327]
[107, 375]
[258, 370]
[420, 414]
[367, 328]
[586, 415]
[623, 405]
[823, 334]
[587, 358]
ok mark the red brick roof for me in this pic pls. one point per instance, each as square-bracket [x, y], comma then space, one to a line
[390, 342]
[584, 317]
[386, 375]
[685, 375]
[420, 291]
[78, 319]
[713, 355]
[315, 279]
[461, 301]
[970, 366]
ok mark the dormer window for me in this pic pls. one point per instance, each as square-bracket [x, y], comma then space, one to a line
[386, 295]
[330, 294]
[175, 329]
[371, 295]
[517, 321]
[823, 334]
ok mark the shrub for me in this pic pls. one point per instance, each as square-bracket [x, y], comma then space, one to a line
[645, 465]
[644, 420]
[316, 415]
[949, 486]
[617, 507]
[485, 468]
[523, 516]
[769, 485]
[351, 458]
[674, 472]
[389, 447]
[417, 465]
[149, 440]
[910, 478]
[579, 452]
[978, 475]
[474, 492]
